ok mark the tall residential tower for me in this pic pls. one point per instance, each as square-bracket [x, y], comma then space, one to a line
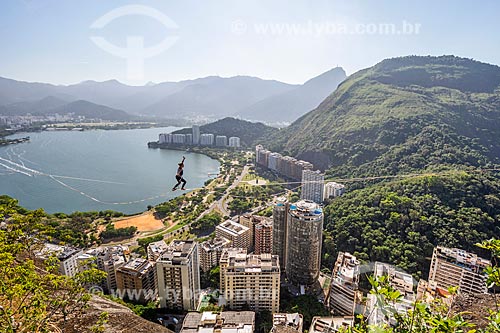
[313, 183]
[303, 242]
[280, 214]
[196, 134]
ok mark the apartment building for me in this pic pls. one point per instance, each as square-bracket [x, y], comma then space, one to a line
[234, 141]
[333, 190]
[165, 138]
[312, 186]
[286, 166]
[400, 281]
[224, 322]
[210, 252]
[67, 256]
[178, 275]
[272, 162]
[249, 280]
[221, 141]
[303, 242]
[239, 235]
[264, 157]
[206, 139]
[188, 139]
[330, 324]
[287, 323]
[196, 134]
[178, 139]
[155, 249]
[108, 259]
[263, 237]
[280, 218]
[136, 281]
[250, 221]
[298, 167]
[343, 294]
[452, 267]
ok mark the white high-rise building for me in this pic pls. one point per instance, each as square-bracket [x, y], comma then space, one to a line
[161, 138]
[178, 138]
[67, 256]
[207, 139]
[234, 141]
[178, 275]
[196, 134]
[221, 141]
[312, 186]
[165, 138]
[333, 190]
[189, 139]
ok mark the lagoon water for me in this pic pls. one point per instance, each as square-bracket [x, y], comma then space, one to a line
[96, 170]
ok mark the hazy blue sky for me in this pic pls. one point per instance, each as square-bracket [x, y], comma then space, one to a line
[291, 41]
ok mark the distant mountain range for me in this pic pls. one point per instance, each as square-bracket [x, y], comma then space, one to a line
[217, 96]
[211, 97]
[290, 105]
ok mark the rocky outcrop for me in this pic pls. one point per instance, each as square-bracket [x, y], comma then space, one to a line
[121, 319]
[475, 308]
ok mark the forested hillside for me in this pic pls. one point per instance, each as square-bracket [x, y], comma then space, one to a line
[401, 221]
[402, 115]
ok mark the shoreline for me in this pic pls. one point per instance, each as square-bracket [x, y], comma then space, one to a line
[132, 212]
[192, 149]
[56, 127]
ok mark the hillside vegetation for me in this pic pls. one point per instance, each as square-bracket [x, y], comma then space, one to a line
[400, 222]
[402, 115]
[407, 115]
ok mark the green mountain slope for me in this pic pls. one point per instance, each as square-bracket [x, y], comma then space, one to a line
[402, 115]
[247, 131]
[400, 222]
